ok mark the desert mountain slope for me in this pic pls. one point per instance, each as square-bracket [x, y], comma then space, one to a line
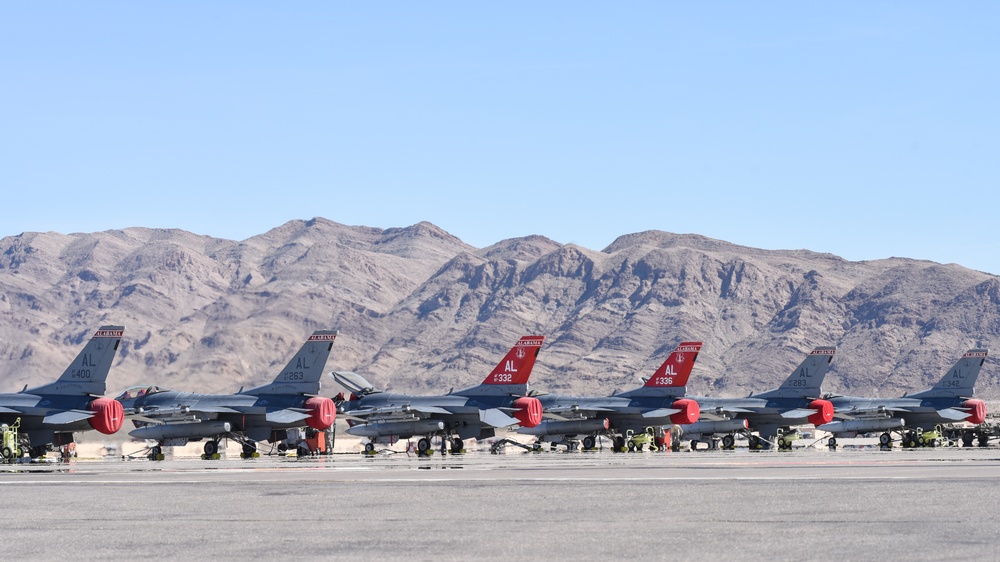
[421, 311]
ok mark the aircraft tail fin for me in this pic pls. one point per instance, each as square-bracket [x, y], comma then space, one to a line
[88, 373]
[807, 378]
[510, 376]
[302, 374]
[960, 380]
[516, 366]
[676, 369]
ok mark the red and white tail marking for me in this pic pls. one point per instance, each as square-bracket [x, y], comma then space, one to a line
[515, 367]
[675, 371]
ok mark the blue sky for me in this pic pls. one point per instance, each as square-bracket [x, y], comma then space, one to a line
[863, 129]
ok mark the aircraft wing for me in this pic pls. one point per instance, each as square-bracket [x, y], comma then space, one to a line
[288, 415]
[574, 412]
[660, 412]
[724, 413]
[396, 411]
[9, 411]
[69, 416]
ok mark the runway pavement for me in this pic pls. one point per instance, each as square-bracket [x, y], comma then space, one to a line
[935, 504]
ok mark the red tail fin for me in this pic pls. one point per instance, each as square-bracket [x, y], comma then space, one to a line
[674, 372]
[515, 367]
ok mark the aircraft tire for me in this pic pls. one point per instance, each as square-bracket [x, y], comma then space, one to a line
[728, 441]
[211, 448]
[619, 444]
[885, 439]
[369, 448]
[303, 451]
[588, 443]
[423, 445]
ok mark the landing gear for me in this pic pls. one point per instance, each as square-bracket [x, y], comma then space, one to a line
[755, 443]
[156, 453]
[984, 439]
[910, 440]
[211, 450]
[303, 451]
[885, 441]
[728, 442]
[832, 443]
[369, 448]
[968, 438]
[619, 444]
[589, 442]
[424, 447]
[249, 451]
[457, 446]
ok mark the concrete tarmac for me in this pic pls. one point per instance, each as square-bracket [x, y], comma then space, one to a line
[937, 504]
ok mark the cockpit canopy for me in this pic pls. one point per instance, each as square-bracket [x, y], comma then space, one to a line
[353, 382]
[134, 392]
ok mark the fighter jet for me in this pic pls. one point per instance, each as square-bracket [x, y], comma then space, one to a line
[798, 401]
[262, 413]
[475, 412]
[949, 401]
[50, 413]
[659, 402]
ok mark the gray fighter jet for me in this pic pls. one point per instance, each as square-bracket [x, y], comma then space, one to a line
[475, 412]
[798, 401]
[263, 413]
[50, 413]
[659, 402]
[949, 401]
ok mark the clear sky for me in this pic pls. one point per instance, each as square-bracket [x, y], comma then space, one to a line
[864, 129]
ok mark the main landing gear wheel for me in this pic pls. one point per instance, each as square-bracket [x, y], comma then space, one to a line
[831, 442]
[369, 448]
[753, 442]
[457, 446]
[249, 451]
[885, 440]
[619, 444]
[156, 453]
[303, 451]
[728, 442]
[984, 439]
[589, 442]
[968, 437]
[424, 446]
[211, 450]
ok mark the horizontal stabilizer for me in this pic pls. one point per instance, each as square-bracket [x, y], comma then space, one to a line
[496, 418]
[798, 413]
[953, 414]
[660, 413]
[69, 416]
[286, 416]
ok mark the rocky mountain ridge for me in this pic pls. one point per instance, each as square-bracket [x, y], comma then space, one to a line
[421, 311]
